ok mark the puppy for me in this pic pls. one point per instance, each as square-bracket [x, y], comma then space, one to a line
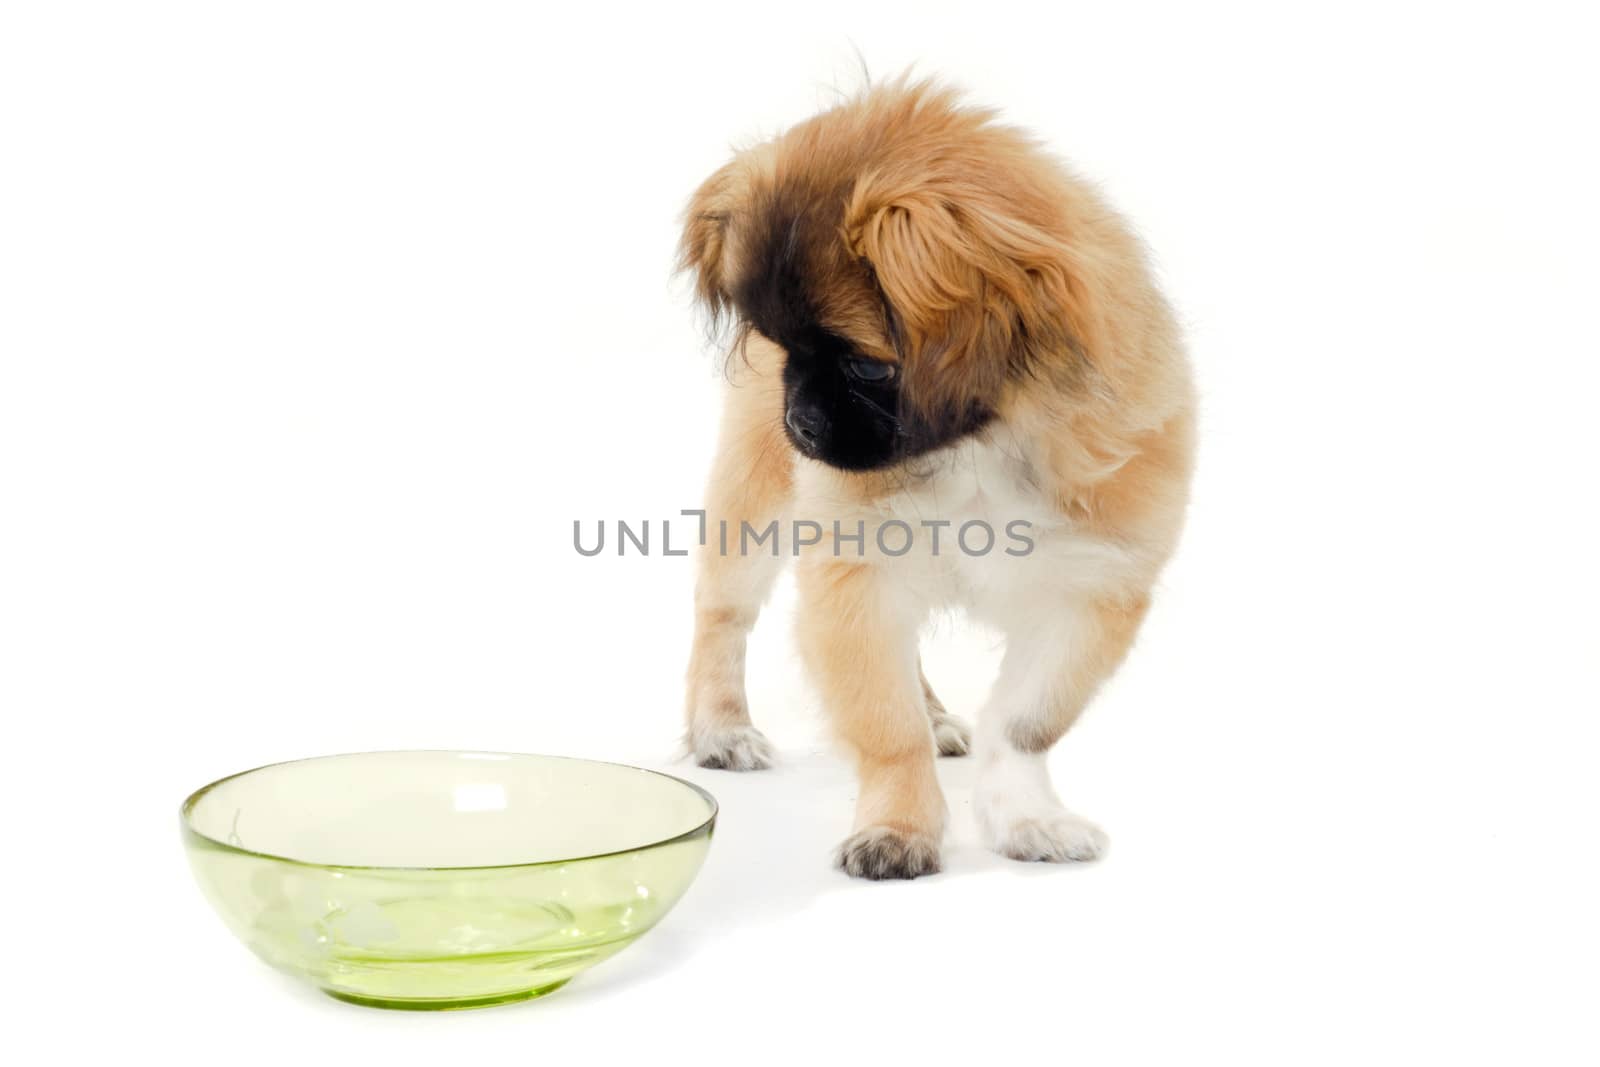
[938, 331]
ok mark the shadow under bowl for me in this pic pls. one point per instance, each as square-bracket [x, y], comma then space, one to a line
[436, 880]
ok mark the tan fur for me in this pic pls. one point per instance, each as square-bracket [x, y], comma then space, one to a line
[751, 481]
[994, 278]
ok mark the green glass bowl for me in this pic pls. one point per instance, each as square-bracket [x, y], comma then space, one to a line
[431, 880]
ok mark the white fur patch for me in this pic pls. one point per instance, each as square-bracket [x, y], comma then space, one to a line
[1018, 813]
[977, 481]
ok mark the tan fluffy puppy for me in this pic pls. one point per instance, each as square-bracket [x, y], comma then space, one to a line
[940, 332]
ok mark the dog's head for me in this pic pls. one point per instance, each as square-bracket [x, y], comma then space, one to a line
[911, 259]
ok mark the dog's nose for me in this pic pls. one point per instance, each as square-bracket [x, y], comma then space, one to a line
[806, 425]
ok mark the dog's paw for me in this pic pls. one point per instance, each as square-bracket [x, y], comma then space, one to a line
[880, 852]
[952, 735]
[1051, 835]
[733, 748]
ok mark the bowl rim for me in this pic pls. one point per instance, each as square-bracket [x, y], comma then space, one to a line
[185, 810]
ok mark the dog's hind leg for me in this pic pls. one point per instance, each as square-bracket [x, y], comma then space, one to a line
[952, 735]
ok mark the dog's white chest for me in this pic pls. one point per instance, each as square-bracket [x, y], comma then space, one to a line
[982, 521]
[973, 527]
[1004, 550]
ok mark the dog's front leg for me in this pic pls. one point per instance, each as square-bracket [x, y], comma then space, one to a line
[1052, 667]
[750, 487]
[859, 641]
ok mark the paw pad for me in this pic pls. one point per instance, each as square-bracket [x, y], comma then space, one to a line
[1055, 837]
[881, 852]
[736, 748]
[952, 735]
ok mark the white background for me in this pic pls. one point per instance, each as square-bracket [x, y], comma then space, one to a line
[322, 322]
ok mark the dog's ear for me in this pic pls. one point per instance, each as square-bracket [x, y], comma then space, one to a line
[702, 250]
[976, 292]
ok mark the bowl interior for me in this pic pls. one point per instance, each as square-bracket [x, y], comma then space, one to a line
[445, 809]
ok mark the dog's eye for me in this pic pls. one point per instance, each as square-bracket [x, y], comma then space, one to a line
[869, 370]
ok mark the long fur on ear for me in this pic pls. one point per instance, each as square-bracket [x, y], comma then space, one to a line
[974, 256]
[702, 248]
